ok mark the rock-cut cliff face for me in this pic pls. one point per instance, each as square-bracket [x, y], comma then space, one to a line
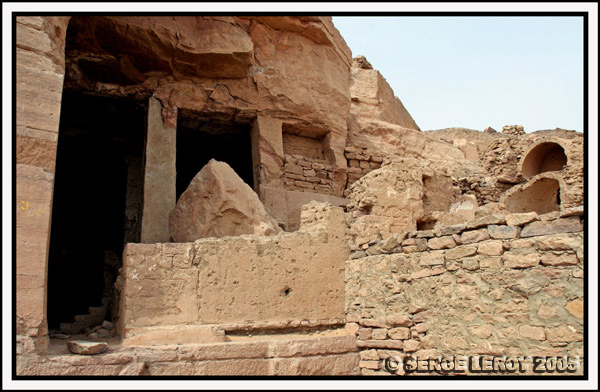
[292, 68]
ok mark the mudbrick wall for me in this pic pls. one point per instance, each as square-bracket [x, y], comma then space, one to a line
[499, 285]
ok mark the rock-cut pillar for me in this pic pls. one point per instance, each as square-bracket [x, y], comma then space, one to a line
[159, 176]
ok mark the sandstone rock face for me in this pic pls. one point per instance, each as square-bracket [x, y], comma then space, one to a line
[372, 96]
[395, 140]
[218, 203]
[39, 55]
[182, 46]
[290, 68]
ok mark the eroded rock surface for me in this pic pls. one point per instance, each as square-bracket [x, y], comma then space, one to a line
[218, 203]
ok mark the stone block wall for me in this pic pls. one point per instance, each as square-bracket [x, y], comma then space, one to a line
[231, 280]
[499, 285]
[360, 162]
[306, 174]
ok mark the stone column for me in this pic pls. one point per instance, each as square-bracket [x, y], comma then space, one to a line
[159, 176]
[40, 73]
[267, 161]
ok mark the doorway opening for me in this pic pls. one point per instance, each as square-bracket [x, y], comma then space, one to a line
[96, 206]
[200, 139]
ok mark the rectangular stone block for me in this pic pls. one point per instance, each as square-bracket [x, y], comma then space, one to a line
[421, 274]
[570, 224]
[292, 168]
[503, 232]
[379, 333]
[425, 234]
[521, 218]
[519, 260]
[559, 242]
[369, 364]
[365, 333]
[372, 323]
[399, 319]
[470, 264]
[445, 242]
[460, 252]
[470, 237]
[369, 355]
[492, 219]
[432, 258]
[387, 344]
[454, 229]
[399, 333]
[490, 248]
[573, 211]
[490, 262]
[563, 333]
[312, 346]
[559, 259]
[304, 184]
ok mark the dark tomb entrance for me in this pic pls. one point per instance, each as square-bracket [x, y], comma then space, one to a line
[96, 206]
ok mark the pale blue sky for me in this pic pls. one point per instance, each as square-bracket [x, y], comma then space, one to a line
[475, 72]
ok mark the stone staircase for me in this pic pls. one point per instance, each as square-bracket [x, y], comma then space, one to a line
[83, 323]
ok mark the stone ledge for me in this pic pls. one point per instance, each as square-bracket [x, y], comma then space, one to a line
[310, 356]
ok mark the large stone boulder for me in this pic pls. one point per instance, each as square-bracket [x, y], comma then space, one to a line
[218, 203]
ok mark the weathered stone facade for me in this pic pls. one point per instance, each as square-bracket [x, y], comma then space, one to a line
[360, 236]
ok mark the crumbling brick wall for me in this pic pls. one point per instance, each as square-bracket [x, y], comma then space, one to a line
[494, 286]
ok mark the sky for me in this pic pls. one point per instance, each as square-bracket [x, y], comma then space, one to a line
[475, 72]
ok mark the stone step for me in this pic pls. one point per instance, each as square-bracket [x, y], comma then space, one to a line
[79, 327]
[97, 310]
[82, 318]
[65, 328]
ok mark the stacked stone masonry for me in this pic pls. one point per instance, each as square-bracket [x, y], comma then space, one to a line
[500, 285]
[360, 162]
[307, 174]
